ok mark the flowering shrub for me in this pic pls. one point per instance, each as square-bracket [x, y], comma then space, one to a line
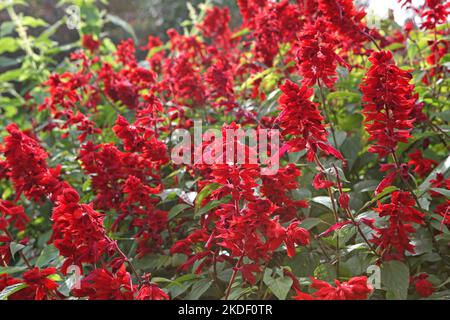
[95, 207]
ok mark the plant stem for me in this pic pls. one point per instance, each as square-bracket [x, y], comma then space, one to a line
[325, 108]
[335, 213]
[233, 276]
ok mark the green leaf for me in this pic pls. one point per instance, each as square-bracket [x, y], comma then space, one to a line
[325, 272]
[49, 254]
[123, 24]
[199, 288]
[344, 95]
[395, 279]
[204, 193]
[12, 270]
[7, 62]
[280, 287]
[10, 75]
[387, 191]
[55, 277]
[241, 33]
[33, 22]
[310, 223]
[212, 205]
[324, 201]
[11, 290]
[8, 44]
[176, 210]
[444, 192]
[15, 247]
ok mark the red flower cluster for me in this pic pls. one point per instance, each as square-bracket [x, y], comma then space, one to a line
[228, 220]
[317, 58]
[394, 239]
[301, 119]
[423, 286]
[355, 289]
[249, 226]
[38, 285]
[388, 103]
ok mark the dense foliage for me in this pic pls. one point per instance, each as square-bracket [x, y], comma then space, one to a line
[90, 191]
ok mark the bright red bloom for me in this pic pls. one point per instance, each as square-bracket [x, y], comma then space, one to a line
[13, 215]
[320, 183]
[316, 57]
[344, 18]
[423, 286]
[28, 168]
[295, 235]
[355, 289]
[250, 8]
[394, 238]
[90, 43]
[220, 86]
[151, 292]
[388, 103]
[277, 24]
[39, 284]
[101, 284]
[215, 25]
[436, 13]
[422, 166]
[301, 120]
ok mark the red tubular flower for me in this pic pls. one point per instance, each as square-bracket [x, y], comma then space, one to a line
[394, 239]
[250, 8]
[215, 25]
[316, 57]
[13, 215]
[151, 291]
[28, 168]
[301, 120]
[295, 235]
[388, 103]
[422, 166]
[278, 23]
[90, 43]
[125, 52]
[220, 86]
[436, 13]
[423, 286]
[39, 284]
[78, 230]
[355, 289]
[344, 18]
[185, 80]
[101, 284]
[320, 183]
[278, 187]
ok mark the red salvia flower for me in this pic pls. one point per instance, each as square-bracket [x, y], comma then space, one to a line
[394, 239]
[388, 102]
[355, 289]
[316, 56]
[422, 166]
[90, 43]
[39, 284]
[101, 284]
[301, 120]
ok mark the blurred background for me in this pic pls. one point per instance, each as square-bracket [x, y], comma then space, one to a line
[147, 17]
[154, 17]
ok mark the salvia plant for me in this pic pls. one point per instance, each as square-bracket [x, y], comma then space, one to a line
[95, 203]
